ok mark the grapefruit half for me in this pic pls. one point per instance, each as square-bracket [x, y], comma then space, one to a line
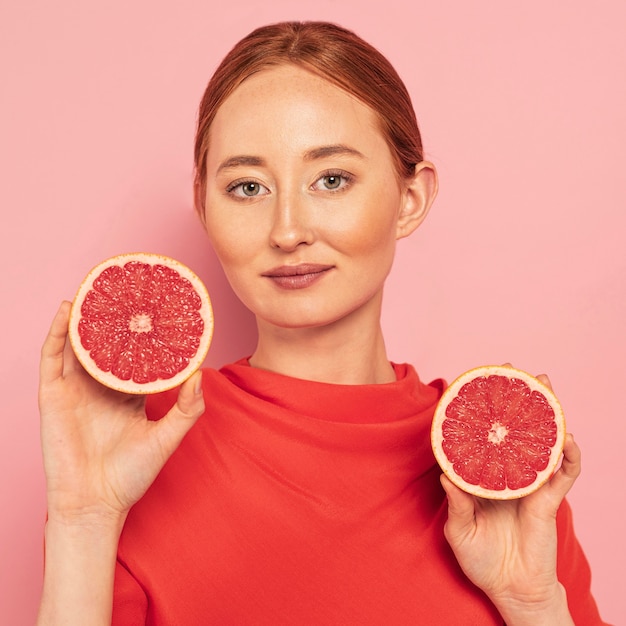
[141, 323]
[498, 432]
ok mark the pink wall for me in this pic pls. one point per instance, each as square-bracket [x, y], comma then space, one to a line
[521, 259]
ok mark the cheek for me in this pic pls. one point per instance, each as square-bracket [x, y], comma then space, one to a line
[230, 238]
[231, 254]
[369, 232]
[226, 250]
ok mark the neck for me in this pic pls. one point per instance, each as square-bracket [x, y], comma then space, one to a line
[350, 351]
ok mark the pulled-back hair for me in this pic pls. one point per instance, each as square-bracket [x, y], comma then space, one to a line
[335, 54]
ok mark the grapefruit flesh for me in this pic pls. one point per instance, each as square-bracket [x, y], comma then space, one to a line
[498, 432]
[141, 323]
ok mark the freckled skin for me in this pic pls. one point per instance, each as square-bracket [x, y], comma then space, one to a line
[295, 218]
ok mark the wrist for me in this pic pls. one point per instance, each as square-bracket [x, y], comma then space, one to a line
[72, 516]
[80, 557]
[85, 525]
[548, 610]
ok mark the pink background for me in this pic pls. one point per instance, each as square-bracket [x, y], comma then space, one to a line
[521, 259]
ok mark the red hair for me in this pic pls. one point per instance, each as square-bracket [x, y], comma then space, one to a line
[332, 52]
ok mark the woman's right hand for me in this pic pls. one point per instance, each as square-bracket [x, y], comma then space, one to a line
[100, 451]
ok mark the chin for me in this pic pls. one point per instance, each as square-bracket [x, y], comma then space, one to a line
[303, 315]
[309, 320]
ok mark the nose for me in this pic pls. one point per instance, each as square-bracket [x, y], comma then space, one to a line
[291, 224]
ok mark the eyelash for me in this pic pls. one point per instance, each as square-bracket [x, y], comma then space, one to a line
[240, 183]
[347, 178]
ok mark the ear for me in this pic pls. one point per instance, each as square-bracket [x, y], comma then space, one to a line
[199, 201]
[418, 195]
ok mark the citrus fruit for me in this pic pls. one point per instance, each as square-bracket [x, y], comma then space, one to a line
[141, 323]
[498, 432]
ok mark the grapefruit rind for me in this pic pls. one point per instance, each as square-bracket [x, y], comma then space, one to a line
[440, 416]
[129, 386]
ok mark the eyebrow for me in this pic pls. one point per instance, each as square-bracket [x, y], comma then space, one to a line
[310, 155]
[242, 159]
[332, 150]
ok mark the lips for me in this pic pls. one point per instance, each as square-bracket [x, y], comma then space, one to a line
[297, 276]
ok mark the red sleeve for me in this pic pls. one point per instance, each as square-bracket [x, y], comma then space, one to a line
[129, 600]
[574, 572]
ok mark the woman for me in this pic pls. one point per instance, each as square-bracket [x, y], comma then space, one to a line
[296, 486]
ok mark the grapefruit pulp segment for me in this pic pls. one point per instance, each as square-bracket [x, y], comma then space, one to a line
[498, 432]
[141, 323]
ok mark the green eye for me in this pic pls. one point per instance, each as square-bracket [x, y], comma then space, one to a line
[251, 189]
[332, 181]
[246, 188]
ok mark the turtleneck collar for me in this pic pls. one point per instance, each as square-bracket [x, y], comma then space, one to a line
[358, 404]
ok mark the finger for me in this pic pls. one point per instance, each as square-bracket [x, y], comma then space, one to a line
[182, 416]
[565, 477]
[70, 362]
[52, 351]
[461, 510]
[543, 378]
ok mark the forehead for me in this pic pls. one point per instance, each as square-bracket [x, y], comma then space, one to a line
[296, 109]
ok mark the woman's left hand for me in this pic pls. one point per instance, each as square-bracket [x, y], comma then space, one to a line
[508, 548]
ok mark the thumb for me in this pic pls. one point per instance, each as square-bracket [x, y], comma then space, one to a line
[461, 511]
[182, 416]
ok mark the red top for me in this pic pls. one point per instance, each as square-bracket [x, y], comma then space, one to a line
[297, 502]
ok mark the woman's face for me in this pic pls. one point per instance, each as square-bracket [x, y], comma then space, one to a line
[302, 199]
